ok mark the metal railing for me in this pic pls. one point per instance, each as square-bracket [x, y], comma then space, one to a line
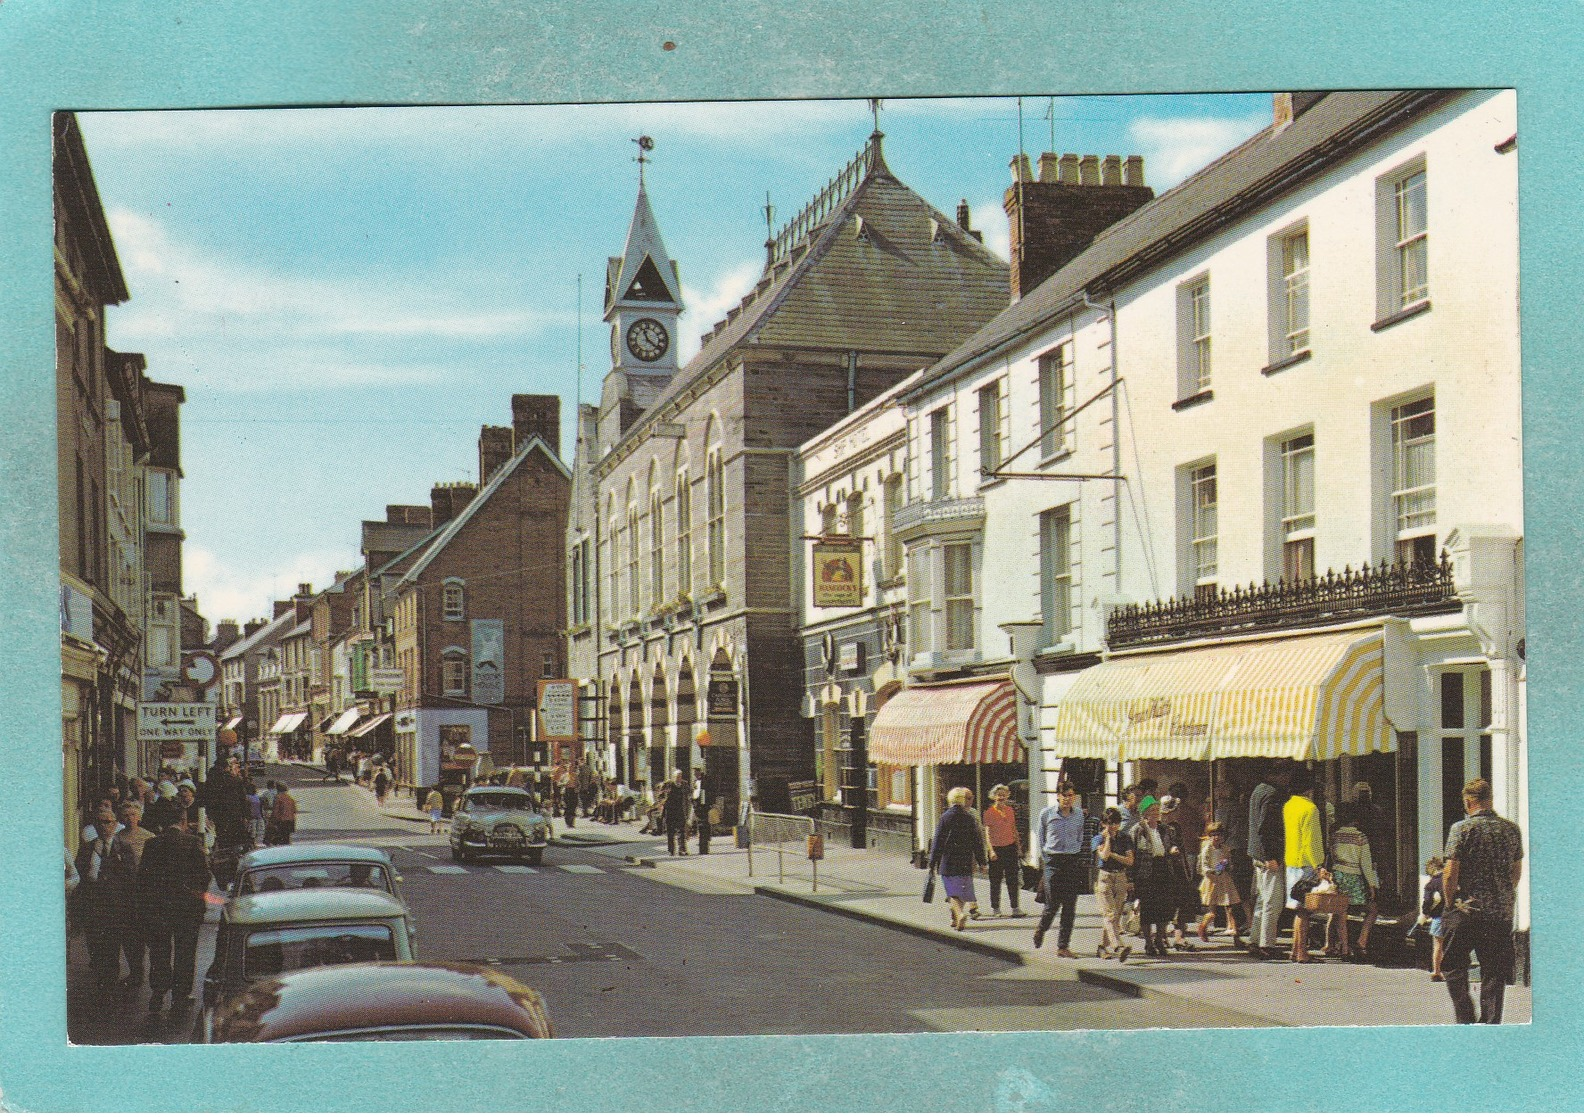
[778, 831]
[1397, 588]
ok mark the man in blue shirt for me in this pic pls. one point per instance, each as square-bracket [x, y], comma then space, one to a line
[1059, 834]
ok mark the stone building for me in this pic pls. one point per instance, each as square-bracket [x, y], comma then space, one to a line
[685, 634]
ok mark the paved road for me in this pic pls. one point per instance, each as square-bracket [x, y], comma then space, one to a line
[621, 950]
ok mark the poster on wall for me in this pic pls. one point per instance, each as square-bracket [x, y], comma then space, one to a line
[558, 719]
[489, 662]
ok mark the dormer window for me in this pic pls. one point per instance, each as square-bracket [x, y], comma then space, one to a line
[860, 229]
[453, 599]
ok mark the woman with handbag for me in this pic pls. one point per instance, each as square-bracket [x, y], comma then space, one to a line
[1152, 878]
[956, 851]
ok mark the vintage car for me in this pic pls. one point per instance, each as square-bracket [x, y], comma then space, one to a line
[382, 1001]
[284, 868]
[267, 934]
[501, 822]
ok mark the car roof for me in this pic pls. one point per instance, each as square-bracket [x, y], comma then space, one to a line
[506, 788]
[368, 995]
[296, 854]
[303, 905]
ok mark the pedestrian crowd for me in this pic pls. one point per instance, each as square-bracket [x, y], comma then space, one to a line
[139, 880]
[1165, 875]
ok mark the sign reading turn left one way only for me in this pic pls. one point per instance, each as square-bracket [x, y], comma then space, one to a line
[176, 721]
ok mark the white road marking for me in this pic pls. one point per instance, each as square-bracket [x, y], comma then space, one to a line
[446, 869]
[516, 869]
[580, 869]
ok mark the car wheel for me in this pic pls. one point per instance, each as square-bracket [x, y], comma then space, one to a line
[535, 857]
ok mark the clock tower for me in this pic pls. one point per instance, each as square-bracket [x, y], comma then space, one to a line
[643, 298]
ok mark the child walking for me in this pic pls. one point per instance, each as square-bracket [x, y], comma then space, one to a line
[1431, 909]
[1217, 889]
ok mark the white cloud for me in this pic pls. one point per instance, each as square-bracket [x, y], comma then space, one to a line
[221, 322]
[1173, 149]
[705, 308]
[989, 218]
[234, 593]
[442, 128]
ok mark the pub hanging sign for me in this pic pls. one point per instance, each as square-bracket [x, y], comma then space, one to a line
[837, 575]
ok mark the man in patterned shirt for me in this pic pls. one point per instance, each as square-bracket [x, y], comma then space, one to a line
[1484, 861]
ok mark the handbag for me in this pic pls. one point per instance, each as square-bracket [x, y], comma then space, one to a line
[1031, 877]
[1305, 885]
[929, 888]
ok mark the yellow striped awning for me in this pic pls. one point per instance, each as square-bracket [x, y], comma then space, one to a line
[1302, 697]
[948, 723]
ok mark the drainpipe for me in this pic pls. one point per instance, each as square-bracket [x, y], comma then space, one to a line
[1109, 313]
[852, 381]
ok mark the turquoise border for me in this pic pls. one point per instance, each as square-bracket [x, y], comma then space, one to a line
[184, 53]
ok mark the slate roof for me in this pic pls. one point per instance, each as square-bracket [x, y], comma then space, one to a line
[443, 537]
[268, 634]
[913, 282]
[1252, 174]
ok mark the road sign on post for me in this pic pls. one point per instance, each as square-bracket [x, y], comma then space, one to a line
[176, 721]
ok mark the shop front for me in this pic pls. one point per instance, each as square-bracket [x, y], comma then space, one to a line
[956, 734]
[1217, 716]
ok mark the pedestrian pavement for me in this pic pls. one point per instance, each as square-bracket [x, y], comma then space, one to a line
[884, 888]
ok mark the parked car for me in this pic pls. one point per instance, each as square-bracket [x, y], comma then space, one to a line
[383, 1001]
[284, 868]
[267, 934]
[499, 821]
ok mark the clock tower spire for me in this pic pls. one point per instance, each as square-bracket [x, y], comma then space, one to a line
[643, 297]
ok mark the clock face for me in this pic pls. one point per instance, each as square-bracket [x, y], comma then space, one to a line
[648, 340]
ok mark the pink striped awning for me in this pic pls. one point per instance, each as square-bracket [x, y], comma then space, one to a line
[948, 723]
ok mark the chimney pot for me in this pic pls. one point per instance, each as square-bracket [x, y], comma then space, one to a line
[1133, 171]
[1069, 169]
[1089, 170]
[1111, 171]
[1049, 167]
[1022, 170]
[963, 216]
[304, 589]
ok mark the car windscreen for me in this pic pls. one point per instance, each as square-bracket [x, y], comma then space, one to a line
[317, 874]
[283, 949]
[498, 801]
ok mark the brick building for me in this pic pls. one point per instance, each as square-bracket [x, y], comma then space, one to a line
[684, 613]
[478, 613]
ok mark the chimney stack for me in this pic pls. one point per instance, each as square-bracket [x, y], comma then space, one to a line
[251, 627]
[1076, 198]
[1288, 107]
[536, 415]
[494, 449]
[447, 501]
[964, 219]
[227, 632]
[409, 514]
[282, 608]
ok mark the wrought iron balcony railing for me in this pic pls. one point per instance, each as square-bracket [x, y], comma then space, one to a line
[1400, 589]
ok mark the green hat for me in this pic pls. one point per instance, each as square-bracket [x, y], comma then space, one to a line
[1148, 802]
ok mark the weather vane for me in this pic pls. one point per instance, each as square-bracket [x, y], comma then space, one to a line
[645, 145]
[874, 107]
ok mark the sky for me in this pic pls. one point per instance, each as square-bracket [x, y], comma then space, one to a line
[347, 294]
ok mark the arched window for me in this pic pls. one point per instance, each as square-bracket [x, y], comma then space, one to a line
[684, 514]
[657, 596]
[715, 513]
[855, 516]
[634, 585]
[454, 671]
[453, 599]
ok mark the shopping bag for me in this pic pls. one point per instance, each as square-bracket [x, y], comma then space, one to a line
[929, 888]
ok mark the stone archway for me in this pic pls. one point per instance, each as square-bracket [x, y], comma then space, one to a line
[615, 724]
[633, 755]
[685, 755]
